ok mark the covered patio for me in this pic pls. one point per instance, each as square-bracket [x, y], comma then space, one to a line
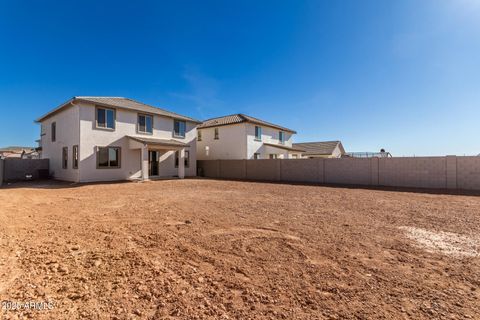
[149, 157]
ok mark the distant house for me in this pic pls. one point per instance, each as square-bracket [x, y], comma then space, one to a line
[239, 136]
[320, 149]
[19, 152]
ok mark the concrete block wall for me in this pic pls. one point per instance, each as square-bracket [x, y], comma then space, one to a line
[16, 169]
[264, 169]
[418, 172]
[449, 172]
[233, 169]
[468, 173]
[302, 170]
[348, 171]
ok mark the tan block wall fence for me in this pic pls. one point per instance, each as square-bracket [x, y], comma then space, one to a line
[449, 172]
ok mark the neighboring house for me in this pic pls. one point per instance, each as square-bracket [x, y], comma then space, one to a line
[239, 136]
[19, 152]
[321, 149]
[113, 138]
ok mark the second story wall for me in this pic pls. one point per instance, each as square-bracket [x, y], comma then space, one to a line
[231, 143]
[67, 133]
[269, 135]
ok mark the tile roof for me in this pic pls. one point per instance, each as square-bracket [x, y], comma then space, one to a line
[319, 148]
[120, 102]
[239, 118]
[281, 146]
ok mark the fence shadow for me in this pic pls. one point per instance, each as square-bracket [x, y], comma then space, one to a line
[359, 186]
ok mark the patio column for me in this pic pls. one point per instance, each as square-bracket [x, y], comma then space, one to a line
[144, 151]
[181, 163]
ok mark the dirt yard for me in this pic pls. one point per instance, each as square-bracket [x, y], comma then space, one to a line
[205, 249]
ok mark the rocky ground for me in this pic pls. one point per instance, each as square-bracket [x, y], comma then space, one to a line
[205, 249]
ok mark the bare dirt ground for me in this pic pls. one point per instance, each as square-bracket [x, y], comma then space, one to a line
[205, 249]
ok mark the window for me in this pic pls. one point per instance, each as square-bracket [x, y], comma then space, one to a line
[258, 133]
[75, 157]
[54, 131]
[179, 127]
[216, 136]
[199, 135]
[65, 157]
[281, 137]
[106, 118]
[186, 159]
[108, 157]
[294, 156]
[256, 156]
[145, 123]
[273, 156]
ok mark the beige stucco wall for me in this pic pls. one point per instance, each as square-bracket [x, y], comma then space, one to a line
[231, 144]
[420, 172]
[67, 135]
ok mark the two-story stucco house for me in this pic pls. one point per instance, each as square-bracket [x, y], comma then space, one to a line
[240, 136]
[113, 138]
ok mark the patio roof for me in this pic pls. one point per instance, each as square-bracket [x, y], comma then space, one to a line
[159, 142]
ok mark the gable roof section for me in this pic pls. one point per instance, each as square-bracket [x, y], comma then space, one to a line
[239, 118]
[320, 147]
[119, 102]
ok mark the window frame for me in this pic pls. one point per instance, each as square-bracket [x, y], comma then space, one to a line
[258, 138]
[65, 158]
[256, 156]
[53, 131]
[186, 162]
[138, 123]
[109, 167]
[97, 108]
[175, 135]
[199, 135]
[75, 153]
[216, 134]
[282, 135]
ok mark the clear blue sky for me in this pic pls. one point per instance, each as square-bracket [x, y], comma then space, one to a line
[403, 75]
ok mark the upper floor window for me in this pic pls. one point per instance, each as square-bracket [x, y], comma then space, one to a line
[199, 135]
[281, 137]
[258, 133]
[54, 131]
[106, 118]
[179, 128]
[108, 157]
[145, 123]
[216, 135]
